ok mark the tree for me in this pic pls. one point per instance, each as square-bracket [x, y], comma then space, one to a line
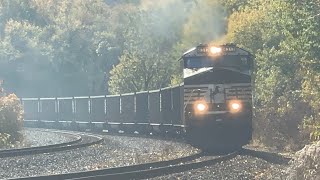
[73, 33]
[145, 64]
[284, 39]
[206, 23]
[233, 5]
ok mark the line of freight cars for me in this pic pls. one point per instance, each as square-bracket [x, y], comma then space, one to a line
[143, 112]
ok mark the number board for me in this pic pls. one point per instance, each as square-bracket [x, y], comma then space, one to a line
[229, 49]
[206, 49]
[202, 49]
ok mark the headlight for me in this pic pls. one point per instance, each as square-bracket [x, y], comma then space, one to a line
[215, 50]
[200, 107]
[235, 106]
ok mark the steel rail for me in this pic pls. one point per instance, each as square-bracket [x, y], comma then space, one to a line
[141, 171]
[161, 171]
[117, 169]
[162, 168]
[177, 168]
[267, 156]
[78, 143]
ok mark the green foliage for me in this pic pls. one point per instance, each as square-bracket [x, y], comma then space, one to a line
[144, 64]
[206, 22]
[233, 5]
[312, 126]
[55, 43]
[10, 118]
[71, 46]
[285, 40]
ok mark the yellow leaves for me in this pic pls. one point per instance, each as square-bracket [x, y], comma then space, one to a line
[245, 28]
[311, 125]
[4, 139]
[315, 135]
[262, 24]
[10, 115]
[206, 22]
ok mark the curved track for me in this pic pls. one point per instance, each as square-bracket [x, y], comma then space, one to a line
[142, 171]
[81, 140]
[148, 170]
[267, 156]
[155, 169]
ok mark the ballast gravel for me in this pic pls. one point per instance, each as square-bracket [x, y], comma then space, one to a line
[122, 150]
[38, 137]
[114, 152]
[238, 168]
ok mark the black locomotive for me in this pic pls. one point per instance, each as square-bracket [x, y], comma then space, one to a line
[218, 96]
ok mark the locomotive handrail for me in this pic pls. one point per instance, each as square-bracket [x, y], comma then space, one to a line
[189, 98]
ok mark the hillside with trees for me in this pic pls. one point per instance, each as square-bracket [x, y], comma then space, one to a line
[80, 47]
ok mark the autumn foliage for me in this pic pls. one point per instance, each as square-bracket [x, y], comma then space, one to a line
[10, 119]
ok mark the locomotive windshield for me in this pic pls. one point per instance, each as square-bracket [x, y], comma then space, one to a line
[238, 62]
[194, 71]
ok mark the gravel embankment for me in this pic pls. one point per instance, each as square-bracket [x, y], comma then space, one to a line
[306, 164]
[34, 137]
[239, 168]
[115, 151]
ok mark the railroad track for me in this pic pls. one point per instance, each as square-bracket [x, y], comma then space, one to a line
[154, 169]
[267, 156]
[81, 140]
[142, 171]
[162, 168]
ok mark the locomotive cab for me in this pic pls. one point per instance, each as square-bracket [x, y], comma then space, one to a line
[218, 96]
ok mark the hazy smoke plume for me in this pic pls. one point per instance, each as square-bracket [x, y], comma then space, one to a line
[50, 39]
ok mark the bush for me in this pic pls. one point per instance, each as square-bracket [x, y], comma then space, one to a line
[280, 128]
[10, 118]
[313, 127]
[4, 139]
[306, 163]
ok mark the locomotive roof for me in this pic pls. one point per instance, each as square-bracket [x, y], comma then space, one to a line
[227, 49]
